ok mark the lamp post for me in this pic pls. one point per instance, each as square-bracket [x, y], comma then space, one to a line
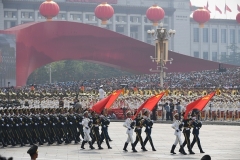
[8, 93]
[161, 49]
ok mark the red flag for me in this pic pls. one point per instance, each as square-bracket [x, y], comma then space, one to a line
[227, 9]
[217, 9]
[238, 8]
[149, 103]
[99, 106]
[198, 104]
[206, 7]
[153, 101]
[113, 97]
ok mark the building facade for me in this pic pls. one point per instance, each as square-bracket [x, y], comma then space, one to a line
[130, 19]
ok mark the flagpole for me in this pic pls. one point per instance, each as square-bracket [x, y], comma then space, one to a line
[225, 9]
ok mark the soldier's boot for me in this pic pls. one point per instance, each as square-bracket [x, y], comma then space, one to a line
[107, 142]
[190, 150]
[143, 147]
[173, 148]
[153, 148]
[182, 150]
[13, 143]
[99, 145]
[67, 140]
[200, 148]
[40, 141]
[30, 141]
[133, 148]
[3, 142]
[83, 142]
[49, 141]
[21, 142]
[90, 145]
[125, 146]
[58, 140]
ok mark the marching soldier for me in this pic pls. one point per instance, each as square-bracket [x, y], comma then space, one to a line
[104, 135]
[138, 129]
[148, 123]
[196, 126]
[87, 124]
[95, 129]
[177, 127]
[186, 132]
[79, 119]
[129, 124]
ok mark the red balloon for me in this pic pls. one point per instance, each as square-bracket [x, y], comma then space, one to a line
[238, 18]
[201, 16]
[155, 14]
[49, 9]
[104, 12]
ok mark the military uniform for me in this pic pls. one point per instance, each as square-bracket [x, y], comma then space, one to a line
[138, 129]
[186, 132]
[196, 127]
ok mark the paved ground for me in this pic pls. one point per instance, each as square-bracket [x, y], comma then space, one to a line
[220, 141]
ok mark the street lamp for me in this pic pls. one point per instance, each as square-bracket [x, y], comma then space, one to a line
[161, 49]
[8, 94]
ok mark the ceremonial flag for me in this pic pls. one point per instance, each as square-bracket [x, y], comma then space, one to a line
[198, 104]
[113, 97]
[227, 9]
[217, 9]
[153, 101]
[149, 103]
[238, 8]
[99, 106]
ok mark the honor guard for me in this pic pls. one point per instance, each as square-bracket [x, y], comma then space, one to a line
[196, 127]
[186, 132]
[138, 129]
[148, 123]
[129, 124]
[177, 126]
[104, 135]
[87, 124]
[95, 129]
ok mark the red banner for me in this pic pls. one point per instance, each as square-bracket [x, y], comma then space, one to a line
[94, 1]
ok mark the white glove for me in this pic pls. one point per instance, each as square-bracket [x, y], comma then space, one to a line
[104, 126]
[21, 119]
[48, 118]
[35, 124]
[148, 127]
[62, 123]
[57, 118]
[30, 118]
[39, 118]
[11, 119]
[17, 125]
[196, 127]
[66, 118]
[26, 124]
[80, 122]
[54, 124]
[70, 122]
[44, 124]
[74, 117]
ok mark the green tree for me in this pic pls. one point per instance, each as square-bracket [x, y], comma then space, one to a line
[67, 70]
[234, 56]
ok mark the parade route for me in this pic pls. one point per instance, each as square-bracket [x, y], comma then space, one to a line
[221, 142]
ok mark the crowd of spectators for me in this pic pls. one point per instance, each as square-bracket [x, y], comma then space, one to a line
[194, 80]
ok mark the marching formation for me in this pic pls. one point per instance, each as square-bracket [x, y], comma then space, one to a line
[21, 126]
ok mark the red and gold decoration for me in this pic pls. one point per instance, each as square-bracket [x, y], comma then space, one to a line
[155, 14]
[104, 12]
[201, 16]
[49, 9]
[238, 18]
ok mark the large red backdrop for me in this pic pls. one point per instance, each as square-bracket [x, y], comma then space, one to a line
[40, 43]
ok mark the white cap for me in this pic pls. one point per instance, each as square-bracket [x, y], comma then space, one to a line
[101, 86]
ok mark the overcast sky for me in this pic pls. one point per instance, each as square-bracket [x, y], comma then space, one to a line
[232, 4]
